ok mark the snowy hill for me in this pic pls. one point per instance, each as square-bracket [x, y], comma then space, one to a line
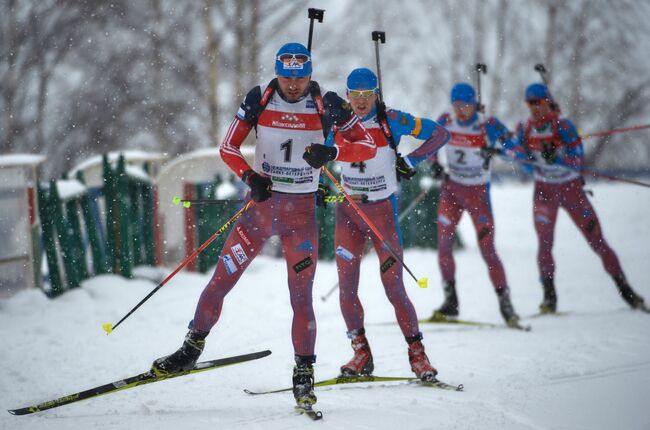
[589, 369]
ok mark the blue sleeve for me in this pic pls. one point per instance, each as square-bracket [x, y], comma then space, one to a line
[329, 141]
[573, 153]
[433, 134]
[515, 150]
[250, 108]
[496, 131]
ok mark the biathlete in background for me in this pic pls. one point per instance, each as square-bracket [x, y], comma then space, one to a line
[466, 187]
[555, 147]
[289, 115]
[377, 179]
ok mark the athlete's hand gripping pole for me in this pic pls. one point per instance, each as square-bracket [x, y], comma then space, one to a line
[108, 327]
[593, 173]
[422, 283]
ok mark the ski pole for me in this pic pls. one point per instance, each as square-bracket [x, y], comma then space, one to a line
[313, 14]
[615, 131]
[189, 202]
[586, 172]
[422, 283]
[481, 69]
[400, 218]
[108, 327]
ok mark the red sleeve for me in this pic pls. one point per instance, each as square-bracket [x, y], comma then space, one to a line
[230, 147]
[355, 143]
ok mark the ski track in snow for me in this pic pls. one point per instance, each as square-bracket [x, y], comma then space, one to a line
[589, 369]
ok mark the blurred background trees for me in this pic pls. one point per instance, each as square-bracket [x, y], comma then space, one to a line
[78, 78]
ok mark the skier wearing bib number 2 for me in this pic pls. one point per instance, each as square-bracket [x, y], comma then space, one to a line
[466, 188]
[291, 116]
[377, 179]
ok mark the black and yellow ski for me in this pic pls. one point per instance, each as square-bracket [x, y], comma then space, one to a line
[369, 378]
[135, 381]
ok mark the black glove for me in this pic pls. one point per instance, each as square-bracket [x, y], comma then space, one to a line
[549, 153]
[555, 107]
[402, 169]
[317, 155]
[321, 195]
[260, 185]
[487, 152]
[437, 171]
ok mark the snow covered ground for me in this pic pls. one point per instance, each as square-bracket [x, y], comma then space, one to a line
[589, 369]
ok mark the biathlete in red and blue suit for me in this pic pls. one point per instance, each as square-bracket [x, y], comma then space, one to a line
[466, 187]
[554, 146]
[377, 179]
[291, 116]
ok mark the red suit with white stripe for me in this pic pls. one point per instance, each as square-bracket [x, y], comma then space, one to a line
[284, 129]
[467, 189]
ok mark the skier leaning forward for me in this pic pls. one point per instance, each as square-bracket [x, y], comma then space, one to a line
[555, 147]
[377, 178]
[289, 115]
[467, 188]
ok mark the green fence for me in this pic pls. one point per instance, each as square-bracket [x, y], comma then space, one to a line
[210, 217]
[64, 230]
[129, 210]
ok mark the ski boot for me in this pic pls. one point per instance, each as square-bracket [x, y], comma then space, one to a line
[549, 303]
[449, 308]
[185, 357]
[419, 361]
[361, 362]
[303, 381]
[507, 310]
[627, 293]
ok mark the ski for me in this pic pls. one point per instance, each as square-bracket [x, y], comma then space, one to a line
[518, 326]
[442, 320]
[550, 314]
[368, 378]
[309, 412]
[135, 381]
[456, 321]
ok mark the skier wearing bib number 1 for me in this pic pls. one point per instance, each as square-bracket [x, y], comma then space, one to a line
[377, 179]
[291, 115]
[466, 188]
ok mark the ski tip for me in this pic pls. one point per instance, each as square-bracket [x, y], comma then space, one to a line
[176, 200]
[423, 282]
[108, 328]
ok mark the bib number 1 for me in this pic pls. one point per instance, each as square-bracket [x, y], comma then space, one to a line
[286, 147]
